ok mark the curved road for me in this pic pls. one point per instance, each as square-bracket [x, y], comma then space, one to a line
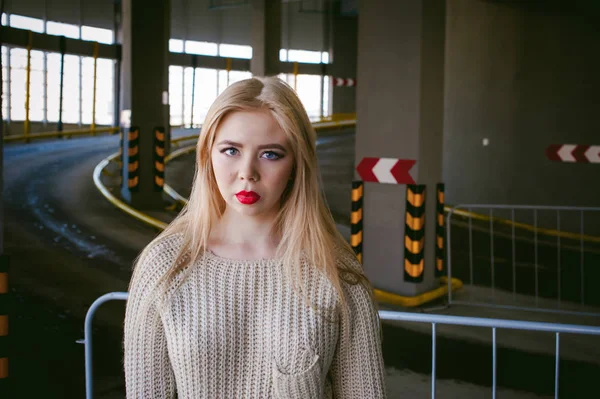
[63, 256]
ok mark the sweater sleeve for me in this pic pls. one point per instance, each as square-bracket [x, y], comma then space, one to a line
[357, 369]
[148, 372]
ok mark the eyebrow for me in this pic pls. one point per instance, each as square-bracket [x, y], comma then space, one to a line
[260, 147]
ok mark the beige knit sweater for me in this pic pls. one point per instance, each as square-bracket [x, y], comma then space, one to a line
[235, 329]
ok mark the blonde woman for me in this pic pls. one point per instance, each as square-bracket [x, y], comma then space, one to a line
[251, 292]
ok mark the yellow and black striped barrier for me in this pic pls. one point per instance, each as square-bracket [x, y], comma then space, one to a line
[4, 311]
[440, 232]
[159, 158]
[356, 217]
[414, 233]
[133, 158]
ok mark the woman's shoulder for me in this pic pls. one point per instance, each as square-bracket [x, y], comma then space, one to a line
[346, 260]
[158, 257]
[166, 246]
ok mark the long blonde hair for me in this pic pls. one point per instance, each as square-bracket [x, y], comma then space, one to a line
[304, 223]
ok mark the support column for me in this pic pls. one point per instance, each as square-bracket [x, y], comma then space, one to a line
[400, 97]
[144, 37]
[266, 37]
[343, 56]
[4, 295]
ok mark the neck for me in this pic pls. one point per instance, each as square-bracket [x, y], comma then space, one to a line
[246, 231]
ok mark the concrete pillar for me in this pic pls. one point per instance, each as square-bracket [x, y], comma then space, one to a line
[343, 55]
[400, 115]
[266, 37]
[4, 295]
[144, 38]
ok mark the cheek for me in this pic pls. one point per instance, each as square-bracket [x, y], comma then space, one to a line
[221, 168]
[282, 175]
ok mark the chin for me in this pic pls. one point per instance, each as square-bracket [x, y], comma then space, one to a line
[254, 210]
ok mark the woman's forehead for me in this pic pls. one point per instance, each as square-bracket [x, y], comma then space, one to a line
[252, 127]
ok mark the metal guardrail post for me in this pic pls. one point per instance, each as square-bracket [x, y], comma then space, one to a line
[87, 340]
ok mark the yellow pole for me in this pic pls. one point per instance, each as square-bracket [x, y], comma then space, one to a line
[93, 127]
[295, 76]
[228, 67]
[27, 88]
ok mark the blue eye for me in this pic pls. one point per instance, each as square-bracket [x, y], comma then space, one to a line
[271, 155]
[230, 151]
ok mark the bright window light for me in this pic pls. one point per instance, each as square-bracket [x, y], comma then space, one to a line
[58, 28]
[53, 86]
[283, 55]
[71, 91]
[308, 88]
[325, 57]
[205, 93]
[176, 94]
[4, 18]
[176, 46]
[97, 34]
[234, 76]
[201, 48]
[21, 22]
[326, 108]
[310, 57]
[36, 81]
[235, 51]
[187, 95]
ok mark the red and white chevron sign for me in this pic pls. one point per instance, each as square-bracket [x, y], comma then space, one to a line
[573, 153]
[386, 170]
[344, 82]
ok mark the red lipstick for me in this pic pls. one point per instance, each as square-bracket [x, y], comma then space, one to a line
[247, 197]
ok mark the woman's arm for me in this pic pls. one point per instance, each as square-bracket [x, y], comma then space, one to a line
[148, 372]
[357, 369]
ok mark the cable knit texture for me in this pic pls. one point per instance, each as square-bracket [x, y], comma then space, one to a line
[236, 329]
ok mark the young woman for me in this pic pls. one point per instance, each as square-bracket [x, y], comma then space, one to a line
[251, 292]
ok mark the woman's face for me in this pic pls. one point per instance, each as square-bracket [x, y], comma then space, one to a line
[252, 162]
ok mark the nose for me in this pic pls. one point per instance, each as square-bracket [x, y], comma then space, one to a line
[249, 171]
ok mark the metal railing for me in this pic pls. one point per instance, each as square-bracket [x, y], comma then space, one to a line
[494, 324]
[539, 265]
[87, 337]
[388, 315]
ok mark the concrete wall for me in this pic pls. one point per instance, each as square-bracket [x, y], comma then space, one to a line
[524, 78]
[344, 55]
[191, 19]
[97, 13]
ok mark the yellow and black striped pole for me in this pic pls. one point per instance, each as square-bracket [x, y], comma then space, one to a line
[440, 232]
[4, 307]
[414, 233]
[133, 158]
[356, 218]
[159, 158]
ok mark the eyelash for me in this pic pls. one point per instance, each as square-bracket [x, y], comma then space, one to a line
[277, 155]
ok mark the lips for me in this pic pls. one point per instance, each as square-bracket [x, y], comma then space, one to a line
[247, 197]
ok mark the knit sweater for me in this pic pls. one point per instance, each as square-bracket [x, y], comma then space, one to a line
[236, 329]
